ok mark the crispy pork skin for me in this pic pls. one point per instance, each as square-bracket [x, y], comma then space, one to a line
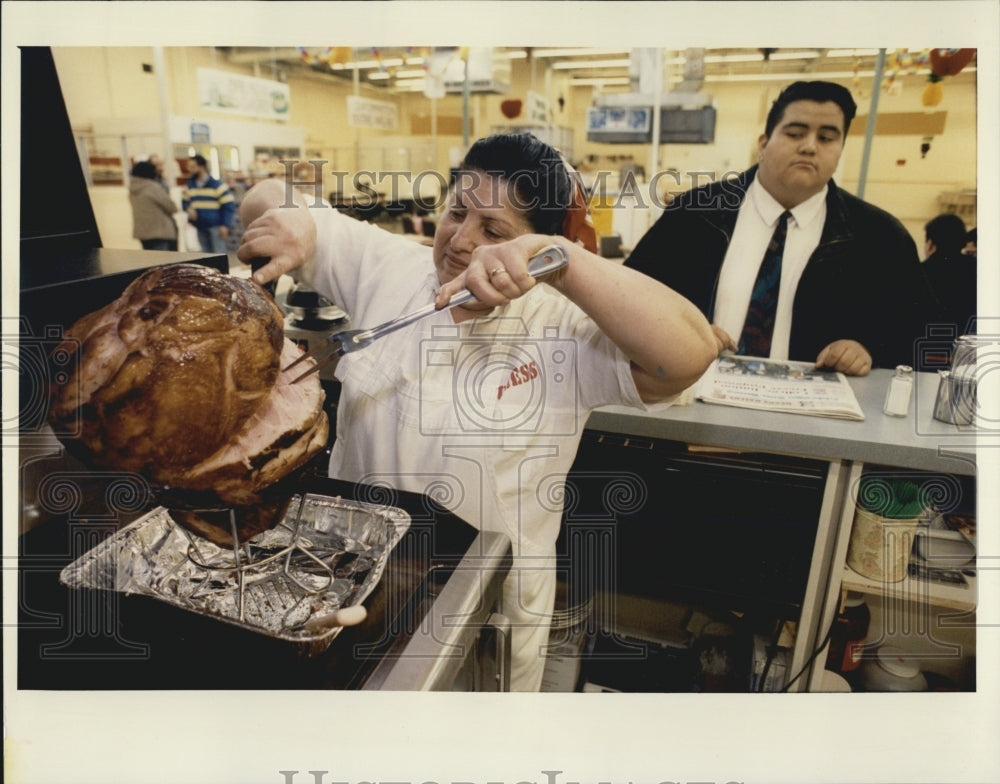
[179, 380]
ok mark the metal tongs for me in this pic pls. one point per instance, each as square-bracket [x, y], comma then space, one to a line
[547, 260]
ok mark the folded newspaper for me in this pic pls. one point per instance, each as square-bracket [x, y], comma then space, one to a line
[779, 385]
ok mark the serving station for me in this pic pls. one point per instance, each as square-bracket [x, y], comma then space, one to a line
[113, 595]
[762, 524]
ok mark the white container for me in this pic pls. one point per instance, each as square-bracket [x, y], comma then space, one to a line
[892, 670]
[943, 549]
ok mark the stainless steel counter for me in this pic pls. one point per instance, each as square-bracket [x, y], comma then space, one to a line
[916, 441]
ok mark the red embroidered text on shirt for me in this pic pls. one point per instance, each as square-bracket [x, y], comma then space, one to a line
[519, 375]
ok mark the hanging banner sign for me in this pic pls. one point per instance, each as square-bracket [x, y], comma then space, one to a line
[537, 107]
[223, 91]
[366, 113]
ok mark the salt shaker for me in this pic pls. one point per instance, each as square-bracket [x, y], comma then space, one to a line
[897, 398]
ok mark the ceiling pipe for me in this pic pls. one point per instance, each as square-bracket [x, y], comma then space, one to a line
[160, 71]
[870, 126]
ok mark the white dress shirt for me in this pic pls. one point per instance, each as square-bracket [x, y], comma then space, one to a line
[755, 225]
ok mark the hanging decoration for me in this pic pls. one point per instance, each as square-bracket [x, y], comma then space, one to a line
[889, 83]
[309, 58]
[435, 65]
[339, 55]
[949, 62]
[511, 107]
[906, 62]
[943, 62]
[899, 63]
[329, 56]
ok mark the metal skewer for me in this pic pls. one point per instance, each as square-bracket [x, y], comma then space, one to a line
[549, 259]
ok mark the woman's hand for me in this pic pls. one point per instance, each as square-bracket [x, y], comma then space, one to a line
[275, 229]
[498, 273]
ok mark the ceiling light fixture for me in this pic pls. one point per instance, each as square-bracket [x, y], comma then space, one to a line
[576, 52]
[852, 52]
[575, 65]
[392, 62]
[789, 75]
[412, 73]
[597, 81]
[756, 57]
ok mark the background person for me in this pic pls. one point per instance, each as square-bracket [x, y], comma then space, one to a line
[152, 209]
[209, 205]
[970, 242]
[597, 334]
[157, 162]
[851, 293]
[950, 271]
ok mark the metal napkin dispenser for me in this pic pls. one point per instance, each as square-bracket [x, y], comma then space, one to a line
[956, 399]
[956, 402]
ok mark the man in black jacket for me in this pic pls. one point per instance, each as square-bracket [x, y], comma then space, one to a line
[851, 294]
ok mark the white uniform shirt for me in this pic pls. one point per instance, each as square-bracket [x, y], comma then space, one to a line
[484, 416]
[755, 224]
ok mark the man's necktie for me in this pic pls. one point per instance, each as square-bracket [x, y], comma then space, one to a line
[755, 341]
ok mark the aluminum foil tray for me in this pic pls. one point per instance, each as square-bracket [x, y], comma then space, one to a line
[288, 582]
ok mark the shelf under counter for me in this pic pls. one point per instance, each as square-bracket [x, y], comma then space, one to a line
[917, 590]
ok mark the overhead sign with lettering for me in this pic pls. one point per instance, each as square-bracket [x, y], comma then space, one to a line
[537, 108]
[233, 93]
[368, 113]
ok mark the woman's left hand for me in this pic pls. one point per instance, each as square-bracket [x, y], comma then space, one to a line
[498, 273]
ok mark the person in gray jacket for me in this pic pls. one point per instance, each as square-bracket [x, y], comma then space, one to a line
[152, 209]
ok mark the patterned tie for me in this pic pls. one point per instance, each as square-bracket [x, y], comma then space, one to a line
[759, 325]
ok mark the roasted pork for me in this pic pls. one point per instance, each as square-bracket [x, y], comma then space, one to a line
[179, 380]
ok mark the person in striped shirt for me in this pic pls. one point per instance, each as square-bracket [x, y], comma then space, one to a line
[209, 205]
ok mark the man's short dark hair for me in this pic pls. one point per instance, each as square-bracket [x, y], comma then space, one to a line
[821, 92]
[947, 232]
[200, 160]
